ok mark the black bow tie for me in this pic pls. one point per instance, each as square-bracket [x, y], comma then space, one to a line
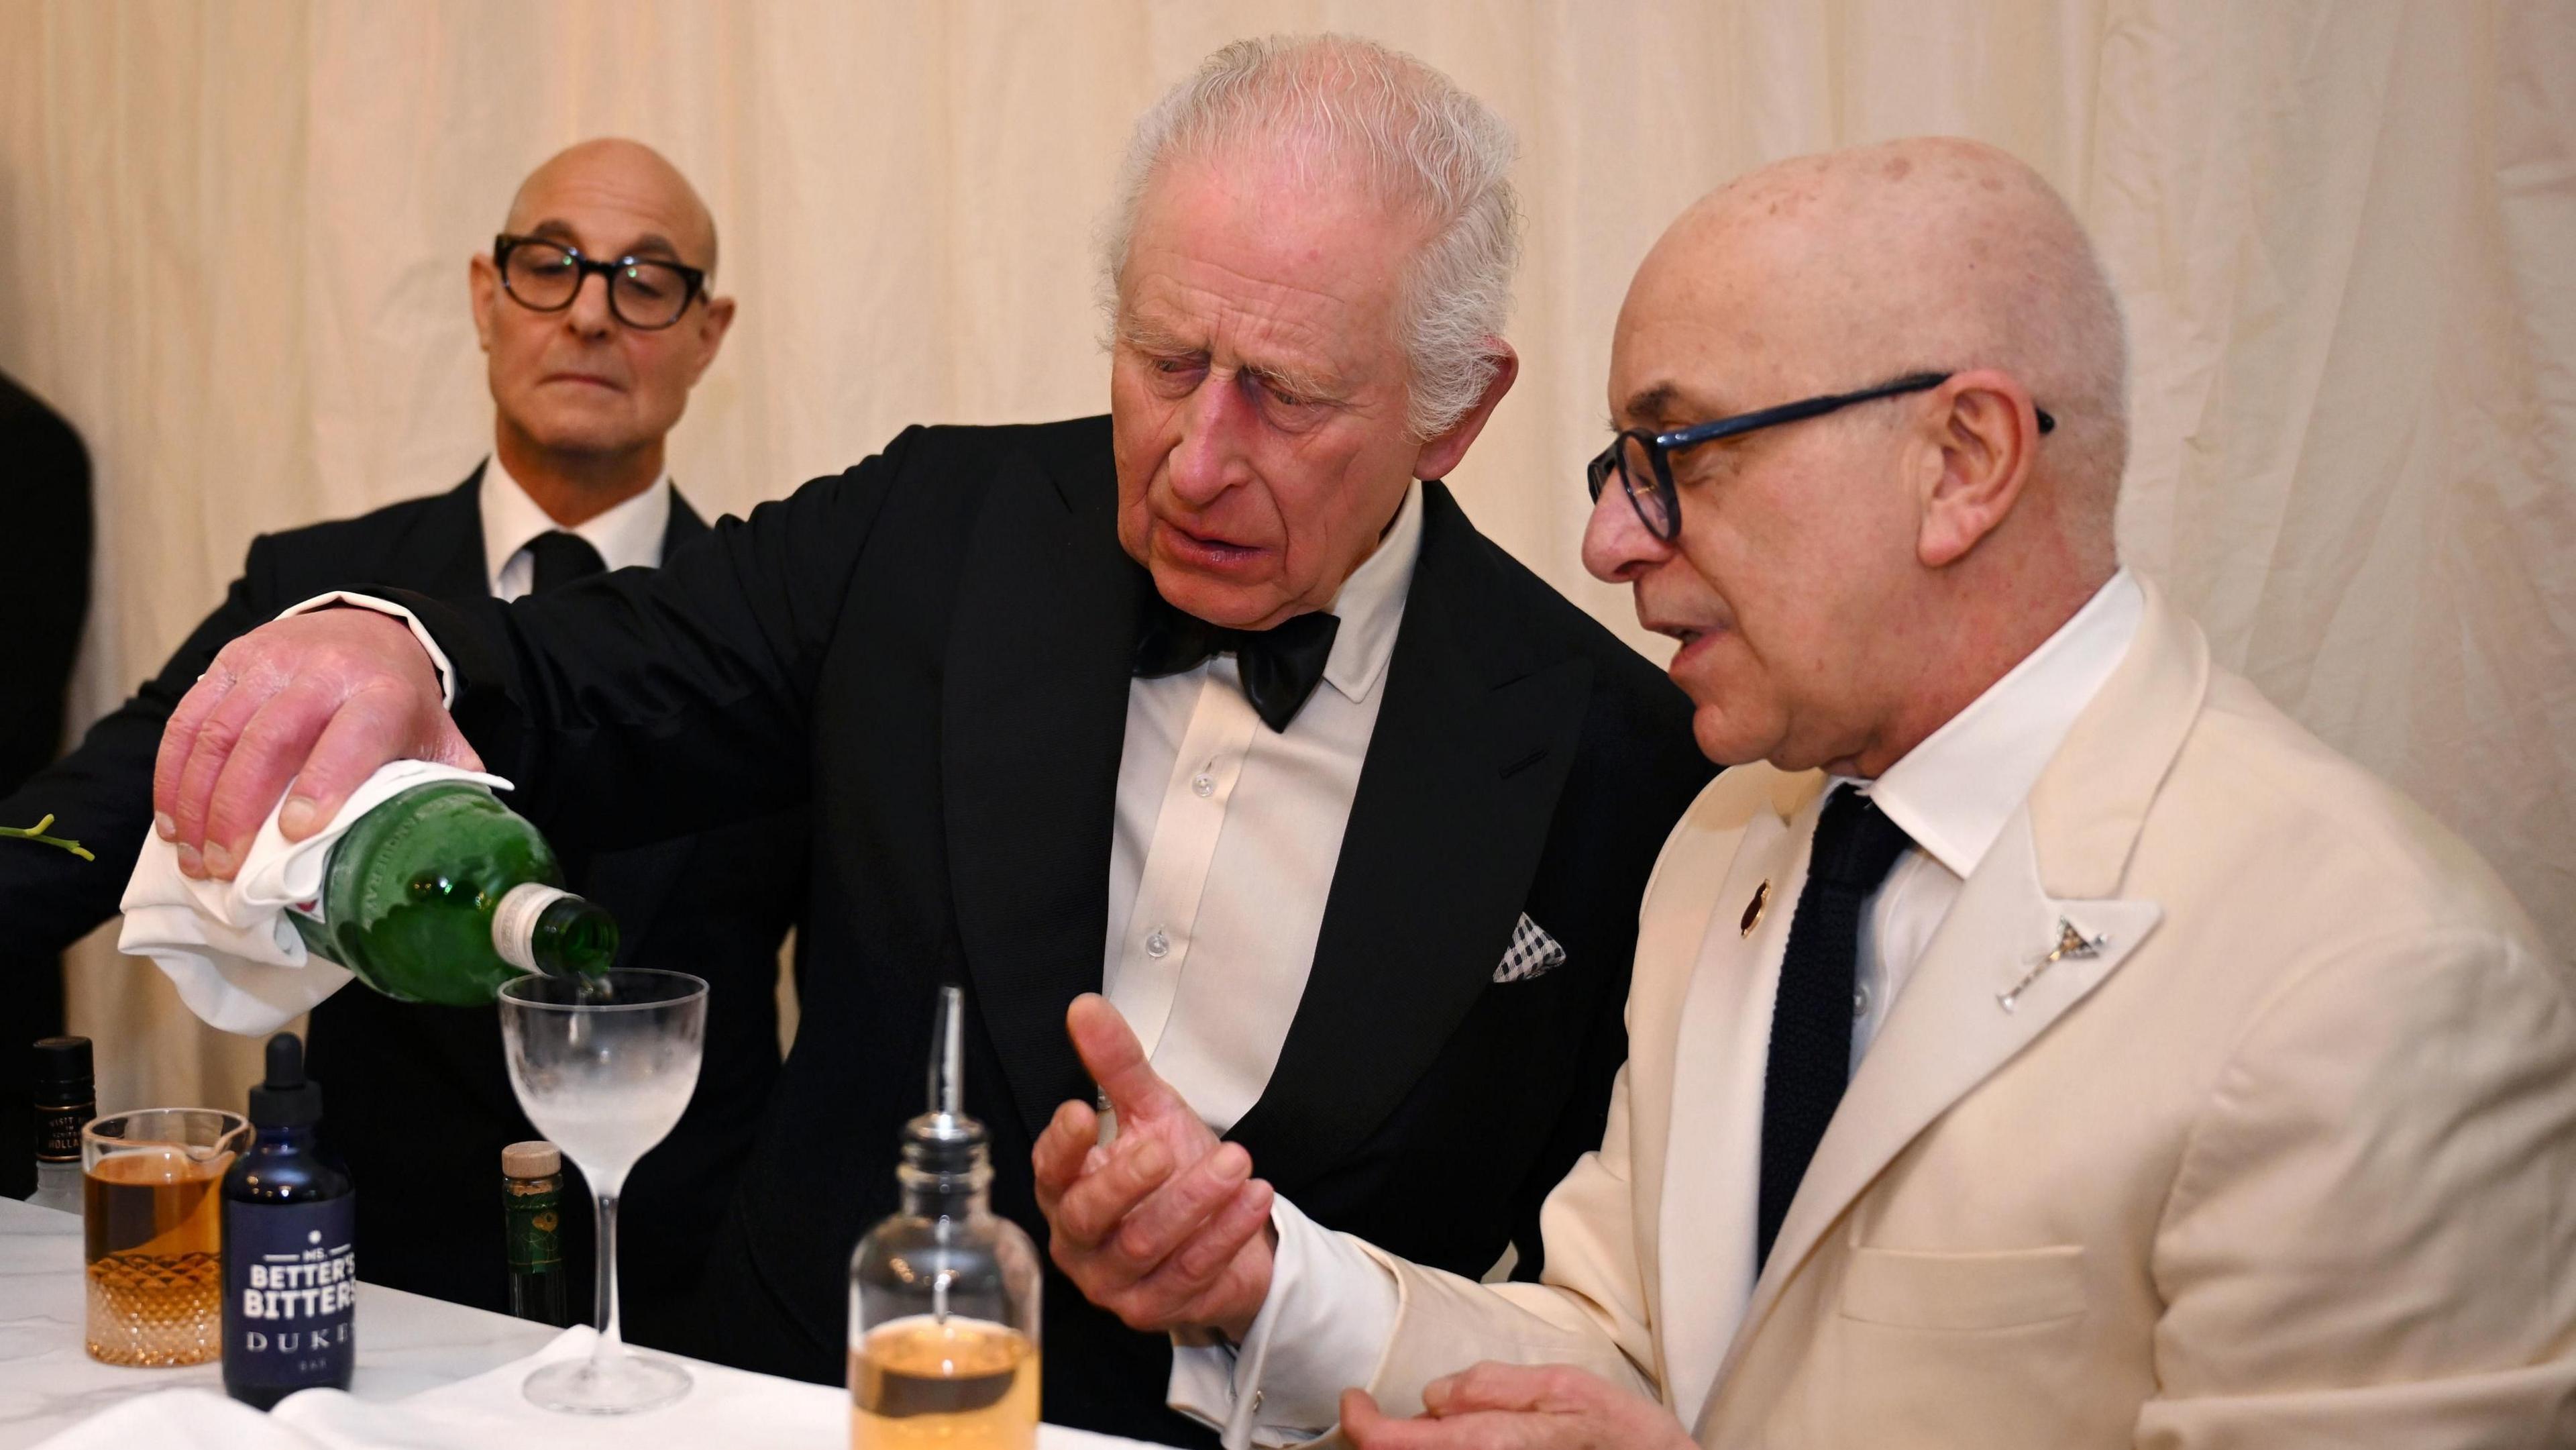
[1281, 665]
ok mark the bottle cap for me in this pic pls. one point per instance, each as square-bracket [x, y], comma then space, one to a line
[63, 1062]
[288, 1099]
[535, 1158]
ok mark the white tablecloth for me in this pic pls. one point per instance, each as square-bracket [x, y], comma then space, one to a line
[431, 1376]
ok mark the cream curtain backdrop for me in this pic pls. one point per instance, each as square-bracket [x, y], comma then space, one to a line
[233, 240]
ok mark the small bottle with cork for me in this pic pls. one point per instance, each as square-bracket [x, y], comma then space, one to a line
[532, 1223]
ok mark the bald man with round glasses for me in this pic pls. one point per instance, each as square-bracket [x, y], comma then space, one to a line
[596, 318]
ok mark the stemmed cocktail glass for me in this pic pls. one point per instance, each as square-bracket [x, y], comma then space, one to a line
[604, 1067]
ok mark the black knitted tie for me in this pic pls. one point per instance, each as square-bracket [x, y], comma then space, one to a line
[561, 558]
[1811, 1023]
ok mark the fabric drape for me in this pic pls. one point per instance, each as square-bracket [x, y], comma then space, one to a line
[233, 243]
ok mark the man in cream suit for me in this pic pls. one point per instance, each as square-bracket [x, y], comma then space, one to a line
[2048, 1044]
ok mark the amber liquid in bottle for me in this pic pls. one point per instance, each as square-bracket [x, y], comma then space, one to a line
[963, 1384]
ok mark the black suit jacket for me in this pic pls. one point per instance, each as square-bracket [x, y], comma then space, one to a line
[932, 649]
[416, 1097]
[44, 594]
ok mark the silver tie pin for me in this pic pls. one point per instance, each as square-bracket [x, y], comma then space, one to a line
[2070, 943]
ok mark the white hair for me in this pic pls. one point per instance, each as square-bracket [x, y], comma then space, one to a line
[1396, 126]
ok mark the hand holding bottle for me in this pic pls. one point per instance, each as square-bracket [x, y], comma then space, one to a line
[318, 699]
[1165, 1226]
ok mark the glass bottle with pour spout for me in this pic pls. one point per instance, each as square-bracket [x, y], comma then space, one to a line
[944, 1295]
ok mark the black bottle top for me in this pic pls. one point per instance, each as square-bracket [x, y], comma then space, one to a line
[64, 1073]
[286, 1162]
[288, 1099]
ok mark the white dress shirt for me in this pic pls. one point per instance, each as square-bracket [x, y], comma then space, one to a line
[625, 536]
[1324, 1324]
[1226, 840]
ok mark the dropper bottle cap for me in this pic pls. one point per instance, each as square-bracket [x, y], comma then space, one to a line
[287, 1099]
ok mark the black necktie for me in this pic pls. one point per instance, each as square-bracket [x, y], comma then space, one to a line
[1811, 1021]
[1281, 665]
[561, 558]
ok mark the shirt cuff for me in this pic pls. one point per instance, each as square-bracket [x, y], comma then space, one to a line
[437, 656]
[1322, 1329]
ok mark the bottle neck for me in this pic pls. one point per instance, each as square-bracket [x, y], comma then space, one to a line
[296, 1138]
[946, 1195]
[539, 928]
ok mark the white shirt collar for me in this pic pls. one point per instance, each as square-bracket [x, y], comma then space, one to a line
[1954, 792]
[625, 536]
[1371, 603]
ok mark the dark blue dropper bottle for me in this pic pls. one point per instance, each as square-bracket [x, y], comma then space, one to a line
[290, 1245]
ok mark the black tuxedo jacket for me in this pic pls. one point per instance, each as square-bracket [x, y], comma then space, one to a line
[932, 650]
[415, 1097]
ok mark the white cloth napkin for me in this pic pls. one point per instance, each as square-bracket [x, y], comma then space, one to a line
[723, 1407]
[227, 945]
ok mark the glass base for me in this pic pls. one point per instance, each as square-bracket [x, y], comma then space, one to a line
[622, 1386]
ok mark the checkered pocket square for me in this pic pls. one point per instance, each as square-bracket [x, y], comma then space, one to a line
[1533, 953]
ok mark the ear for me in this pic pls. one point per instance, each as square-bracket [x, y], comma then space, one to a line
[1984, 434]
[483, 284]
[1441, 454]
[712, 327]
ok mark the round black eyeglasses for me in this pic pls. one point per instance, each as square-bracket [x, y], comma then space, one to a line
[1642, 458]
[645, 293]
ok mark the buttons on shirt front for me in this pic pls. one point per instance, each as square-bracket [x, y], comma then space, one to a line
[1157, 945]
[1203, 784]
[1860, 1003]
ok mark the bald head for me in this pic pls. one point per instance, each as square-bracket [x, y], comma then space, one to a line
[629, 176]
[1932, 254]
[1844, 582]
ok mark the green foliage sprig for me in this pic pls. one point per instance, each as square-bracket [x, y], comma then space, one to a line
[36, 832]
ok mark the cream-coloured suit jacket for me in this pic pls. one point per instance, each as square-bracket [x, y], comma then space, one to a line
[2282, 1155]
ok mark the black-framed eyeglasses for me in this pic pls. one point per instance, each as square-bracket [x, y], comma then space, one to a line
[1643, 461]
[645, 293]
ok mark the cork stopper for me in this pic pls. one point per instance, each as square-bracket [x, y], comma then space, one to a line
[535, 1158]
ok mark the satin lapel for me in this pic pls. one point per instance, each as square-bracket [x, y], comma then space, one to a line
[1035, 712]
[1462, 775]
[1708, 1176]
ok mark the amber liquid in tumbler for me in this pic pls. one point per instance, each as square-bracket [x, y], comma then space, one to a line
[154, 1226]
[959, 1384]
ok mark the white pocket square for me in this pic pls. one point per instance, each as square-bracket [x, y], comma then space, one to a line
[1533, 953]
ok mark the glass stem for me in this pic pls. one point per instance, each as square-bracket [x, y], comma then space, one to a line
[611, 1347]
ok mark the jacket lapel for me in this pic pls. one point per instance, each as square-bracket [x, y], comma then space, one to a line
[1470, 750]
[2034, 931]
[451, 538]
[685, 524]
[1705, 1207]
[1035, 705]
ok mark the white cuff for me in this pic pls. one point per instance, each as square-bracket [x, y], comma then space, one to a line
[437, 656]
[1323, 1329]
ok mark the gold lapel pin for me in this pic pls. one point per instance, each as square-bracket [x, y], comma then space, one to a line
[2070, 943]
[1753, 910]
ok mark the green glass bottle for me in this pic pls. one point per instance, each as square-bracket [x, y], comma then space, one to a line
[442, 893]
